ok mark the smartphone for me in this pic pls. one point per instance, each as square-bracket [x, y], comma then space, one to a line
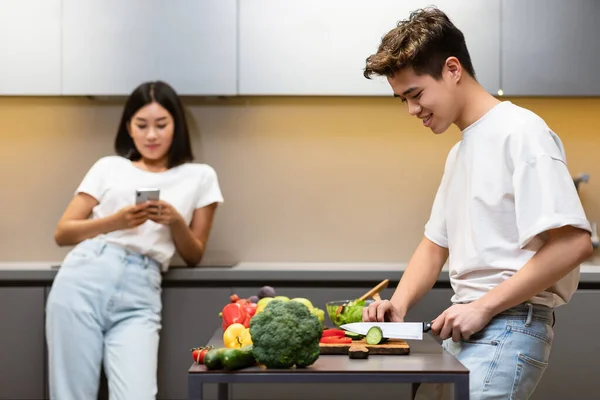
[143, 195]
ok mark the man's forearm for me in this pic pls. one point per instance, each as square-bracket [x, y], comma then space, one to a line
[566, 249]
[420, 275]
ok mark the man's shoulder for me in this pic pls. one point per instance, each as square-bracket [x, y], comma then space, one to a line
[529, 136]
[520, 120]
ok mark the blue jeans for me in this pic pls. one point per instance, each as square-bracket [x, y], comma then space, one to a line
[507, 359]
[104, 306]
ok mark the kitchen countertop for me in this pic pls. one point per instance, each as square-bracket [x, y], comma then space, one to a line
[259, 273]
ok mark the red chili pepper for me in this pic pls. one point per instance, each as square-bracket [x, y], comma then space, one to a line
[335, 340]
[234, 313]
[333, 332]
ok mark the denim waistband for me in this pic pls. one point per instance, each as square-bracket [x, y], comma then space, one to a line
[529, 312]
[99, 246]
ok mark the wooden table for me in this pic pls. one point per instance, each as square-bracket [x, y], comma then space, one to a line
[426, 363]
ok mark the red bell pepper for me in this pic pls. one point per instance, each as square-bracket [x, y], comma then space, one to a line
[234, 313]
[250, 308]
[333, 332]
[335, 340]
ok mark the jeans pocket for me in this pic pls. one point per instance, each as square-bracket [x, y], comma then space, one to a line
[528, 373]
[77, 256]
[482, 337]
[155, 280]
[540, 331]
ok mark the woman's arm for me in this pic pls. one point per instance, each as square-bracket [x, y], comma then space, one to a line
[190, 241]
[74, 226]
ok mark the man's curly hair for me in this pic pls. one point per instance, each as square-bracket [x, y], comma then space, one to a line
[423, 42]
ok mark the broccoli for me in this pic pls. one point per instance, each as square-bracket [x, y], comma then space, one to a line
[285, 334]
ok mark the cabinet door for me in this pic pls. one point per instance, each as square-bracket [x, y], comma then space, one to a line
[30, 47]
[22, 343]
[189, 319]
[313, 47]
[550, 47]
[111, 46]
[575, 351]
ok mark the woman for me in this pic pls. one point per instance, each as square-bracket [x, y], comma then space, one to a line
[105, 303]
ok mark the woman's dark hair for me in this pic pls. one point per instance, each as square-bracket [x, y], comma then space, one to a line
[160, 92]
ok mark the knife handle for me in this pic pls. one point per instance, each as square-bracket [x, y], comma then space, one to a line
[427, 326]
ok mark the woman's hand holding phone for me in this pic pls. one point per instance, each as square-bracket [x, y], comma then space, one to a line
[132, 216]
[163, 213]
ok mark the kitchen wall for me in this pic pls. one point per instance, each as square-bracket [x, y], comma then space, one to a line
[305, 179]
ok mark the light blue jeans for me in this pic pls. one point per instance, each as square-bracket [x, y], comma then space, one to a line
[506, 360]
[104, 306]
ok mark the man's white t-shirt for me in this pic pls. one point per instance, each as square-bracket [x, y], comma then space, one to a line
[113, 180]
[504, 184]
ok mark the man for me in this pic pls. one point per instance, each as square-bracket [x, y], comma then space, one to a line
[506, 214]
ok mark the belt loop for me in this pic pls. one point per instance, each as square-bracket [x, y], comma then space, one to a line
[529, 314]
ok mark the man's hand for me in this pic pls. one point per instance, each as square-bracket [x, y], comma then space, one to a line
[382, 311]
[461, 321]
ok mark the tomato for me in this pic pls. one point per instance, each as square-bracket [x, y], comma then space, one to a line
[333, 332]
[335, 340]
[199, 353]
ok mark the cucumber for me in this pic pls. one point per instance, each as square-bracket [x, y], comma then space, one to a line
[354, 335]
[237, 358]
[212, 359]
[374, 335]
[229, 358]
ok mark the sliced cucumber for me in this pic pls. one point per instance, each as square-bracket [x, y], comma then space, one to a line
[354, 335]
[374, 335]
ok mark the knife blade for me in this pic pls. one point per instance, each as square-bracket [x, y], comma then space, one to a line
[392, 330]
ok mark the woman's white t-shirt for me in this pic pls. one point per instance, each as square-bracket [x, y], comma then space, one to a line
[505, 183]
[113, 181]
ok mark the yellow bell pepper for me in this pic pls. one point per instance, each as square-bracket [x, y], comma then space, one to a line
[236, 335]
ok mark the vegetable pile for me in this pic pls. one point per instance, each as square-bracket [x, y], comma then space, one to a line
[266, 329]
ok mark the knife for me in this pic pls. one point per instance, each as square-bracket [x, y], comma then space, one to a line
[392, 330]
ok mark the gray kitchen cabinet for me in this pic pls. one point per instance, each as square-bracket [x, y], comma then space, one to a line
[313, 47]
[111, 46]
[189, 319]
[30, 47]
[550, 47]
[23, 364]
[575, 351]
[432, 305]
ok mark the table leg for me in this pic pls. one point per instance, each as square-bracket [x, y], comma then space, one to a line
[415, 387]
[195, 389]
[223, 391]
[461, 388]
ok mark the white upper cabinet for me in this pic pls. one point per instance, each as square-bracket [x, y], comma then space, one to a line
[30, 47]
[111, 46]
[317, 47]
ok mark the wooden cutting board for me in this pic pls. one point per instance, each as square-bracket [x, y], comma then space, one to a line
[391, 347]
